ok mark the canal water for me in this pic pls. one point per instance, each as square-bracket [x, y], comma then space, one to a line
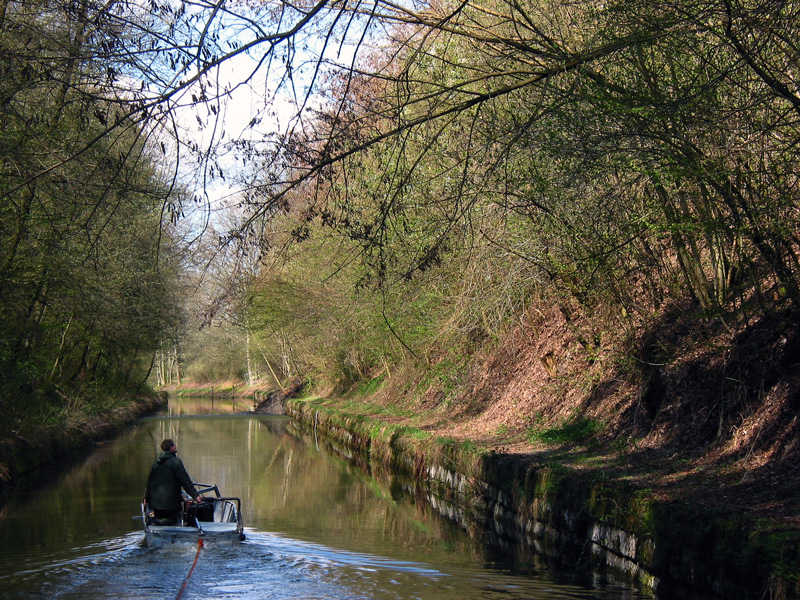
[317, 527]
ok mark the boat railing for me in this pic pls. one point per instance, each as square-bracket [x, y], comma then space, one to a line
[227, 510]
[216, 509]
[202, 488]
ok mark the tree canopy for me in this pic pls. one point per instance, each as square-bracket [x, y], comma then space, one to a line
[86, 263]
[466, 155]
[620, 153]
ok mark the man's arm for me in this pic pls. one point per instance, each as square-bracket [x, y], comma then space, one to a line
[186, 481]
[147, 488]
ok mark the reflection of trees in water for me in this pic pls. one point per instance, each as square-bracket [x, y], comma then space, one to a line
[374, 507]
[334, 524]
[94, 496]
[207, 405]
[288, 482]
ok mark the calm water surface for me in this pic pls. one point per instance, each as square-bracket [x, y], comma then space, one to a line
[317, 528]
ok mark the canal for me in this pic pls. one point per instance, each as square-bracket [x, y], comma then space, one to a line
[317, 527]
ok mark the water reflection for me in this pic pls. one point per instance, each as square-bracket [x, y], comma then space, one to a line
[317, 527]
[192, 405]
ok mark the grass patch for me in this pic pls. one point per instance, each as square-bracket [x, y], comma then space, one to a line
[418, 434]
[571, 431]
[369, 387]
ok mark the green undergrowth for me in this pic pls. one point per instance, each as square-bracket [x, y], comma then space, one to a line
[358, 406]
[572, 430]
[370, 386]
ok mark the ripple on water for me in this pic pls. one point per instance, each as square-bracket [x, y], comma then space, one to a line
[273, 567]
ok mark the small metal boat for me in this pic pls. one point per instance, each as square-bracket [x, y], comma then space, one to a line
[215, 519]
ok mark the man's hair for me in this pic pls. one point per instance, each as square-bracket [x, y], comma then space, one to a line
[167, 444]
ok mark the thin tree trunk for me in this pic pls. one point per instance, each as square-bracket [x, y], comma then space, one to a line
[80, 371]
[93, 375]
[15, 241]
[57, 362]
[689, 261]
[250, 377]
[3, 10]
[177, 365]
[269, 366]
[149, 369]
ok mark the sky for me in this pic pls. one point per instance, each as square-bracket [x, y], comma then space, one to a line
[261, 98]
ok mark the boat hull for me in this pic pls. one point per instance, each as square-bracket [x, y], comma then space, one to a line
[156, 536]
[215, 520]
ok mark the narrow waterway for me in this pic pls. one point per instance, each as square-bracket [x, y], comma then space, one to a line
[317, 527]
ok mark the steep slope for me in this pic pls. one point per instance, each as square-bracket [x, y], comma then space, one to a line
[686, 406]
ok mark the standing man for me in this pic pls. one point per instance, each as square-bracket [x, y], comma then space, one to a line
[167, 477]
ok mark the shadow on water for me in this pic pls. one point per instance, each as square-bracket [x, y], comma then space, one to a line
[317, 528]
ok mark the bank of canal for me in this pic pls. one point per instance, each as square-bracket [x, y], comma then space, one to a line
[38, 453]
[533, 506]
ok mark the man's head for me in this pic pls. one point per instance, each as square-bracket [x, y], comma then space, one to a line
[167, 445]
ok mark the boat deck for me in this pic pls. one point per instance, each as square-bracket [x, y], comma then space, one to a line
[218, 527]
[217, 518]
[206, 527]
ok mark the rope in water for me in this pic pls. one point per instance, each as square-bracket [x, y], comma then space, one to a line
[194, 564]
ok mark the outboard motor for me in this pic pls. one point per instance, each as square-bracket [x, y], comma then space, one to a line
[205, 511]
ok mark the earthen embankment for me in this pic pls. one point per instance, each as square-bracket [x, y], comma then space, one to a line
[25, 458]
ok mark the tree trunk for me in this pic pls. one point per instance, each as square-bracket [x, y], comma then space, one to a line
[57, 362]
[24, 215]
[688, 257]
[177, 365]
[149, 369]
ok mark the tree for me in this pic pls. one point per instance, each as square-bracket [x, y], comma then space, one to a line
[606, 148]
[610, 129]
[85, 267]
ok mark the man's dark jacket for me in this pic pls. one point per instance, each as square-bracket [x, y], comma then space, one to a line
[164, 484]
